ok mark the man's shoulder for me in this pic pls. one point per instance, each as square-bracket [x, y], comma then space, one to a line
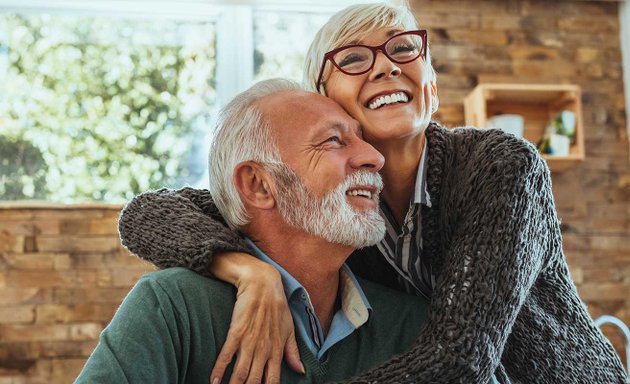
[183, 283]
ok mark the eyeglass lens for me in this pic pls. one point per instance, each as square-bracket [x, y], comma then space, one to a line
[402, 48]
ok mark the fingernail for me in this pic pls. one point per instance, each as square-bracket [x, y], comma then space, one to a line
[301, 366]
[215, 380]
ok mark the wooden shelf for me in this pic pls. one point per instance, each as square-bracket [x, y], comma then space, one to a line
[538, 104]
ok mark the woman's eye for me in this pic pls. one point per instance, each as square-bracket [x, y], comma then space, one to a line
[404, 48]
[351, 59]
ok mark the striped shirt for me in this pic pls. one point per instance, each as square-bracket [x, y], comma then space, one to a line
[402, 246]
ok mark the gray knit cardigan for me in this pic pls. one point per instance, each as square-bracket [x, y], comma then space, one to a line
[503, 300]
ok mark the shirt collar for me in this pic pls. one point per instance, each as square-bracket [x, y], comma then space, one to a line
[290, 284]
[354, 303]
[421, 192]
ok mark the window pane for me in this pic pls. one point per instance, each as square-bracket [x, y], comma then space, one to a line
[102, 108]
[281, 40]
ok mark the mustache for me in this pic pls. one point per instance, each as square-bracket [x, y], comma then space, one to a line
[287, 177]
[362, 178]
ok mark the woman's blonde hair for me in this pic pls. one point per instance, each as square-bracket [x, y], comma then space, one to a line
[353, 24]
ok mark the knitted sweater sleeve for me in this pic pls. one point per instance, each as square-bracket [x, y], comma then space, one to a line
[177, 228]
[501, 239]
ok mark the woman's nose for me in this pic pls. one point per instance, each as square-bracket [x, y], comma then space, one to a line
[383, 67]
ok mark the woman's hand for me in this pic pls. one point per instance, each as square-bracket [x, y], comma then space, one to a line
[262, 328]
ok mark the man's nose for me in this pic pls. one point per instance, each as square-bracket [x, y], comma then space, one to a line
[365, 156]
[383, 67]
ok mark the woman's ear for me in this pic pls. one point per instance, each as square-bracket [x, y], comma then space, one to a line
[435, 98]
[254, 185]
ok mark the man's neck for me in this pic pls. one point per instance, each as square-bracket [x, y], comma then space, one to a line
[313, 262]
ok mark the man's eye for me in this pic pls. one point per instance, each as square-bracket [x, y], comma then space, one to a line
[332, 139]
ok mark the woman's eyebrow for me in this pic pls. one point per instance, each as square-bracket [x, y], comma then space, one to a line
[389, 33]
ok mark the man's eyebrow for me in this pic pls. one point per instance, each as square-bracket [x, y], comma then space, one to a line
[345, 128]
[356, 127]
[335, 126]
[339, 126]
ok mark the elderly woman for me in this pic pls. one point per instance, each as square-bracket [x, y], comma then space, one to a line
[471, 225]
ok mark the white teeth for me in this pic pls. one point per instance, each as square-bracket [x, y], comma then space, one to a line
[360, 192]
[388, 99]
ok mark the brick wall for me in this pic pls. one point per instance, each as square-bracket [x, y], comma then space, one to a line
[63, 273]
[554, 42]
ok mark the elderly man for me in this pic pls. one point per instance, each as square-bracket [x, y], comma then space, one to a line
[289, 169]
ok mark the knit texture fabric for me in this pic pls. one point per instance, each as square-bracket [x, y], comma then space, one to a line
[503, 302]
[180, 228]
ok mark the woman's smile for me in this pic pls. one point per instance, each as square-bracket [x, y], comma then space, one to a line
[388, 99]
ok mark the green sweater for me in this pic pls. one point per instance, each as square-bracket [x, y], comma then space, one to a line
[171, 326]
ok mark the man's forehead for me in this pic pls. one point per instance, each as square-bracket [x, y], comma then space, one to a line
[303, 111]
[293, 101]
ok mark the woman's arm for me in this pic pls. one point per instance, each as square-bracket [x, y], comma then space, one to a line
[183, 228]
[262, 326]
[492, 259]
[177, 228]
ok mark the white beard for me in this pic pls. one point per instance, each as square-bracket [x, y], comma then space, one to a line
[330, 217]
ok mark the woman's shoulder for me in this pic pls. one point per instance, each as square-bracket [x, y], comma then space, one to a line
[489, 151]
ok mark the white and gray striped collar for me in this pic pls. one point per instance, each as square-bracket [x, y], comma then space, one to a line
[402, 245]
[421, 192]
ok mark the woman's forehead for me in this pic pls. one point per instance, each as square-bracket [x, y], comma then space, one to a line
[373, 36]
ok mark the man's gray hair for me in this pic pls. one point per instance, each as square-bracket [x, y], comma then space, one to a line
[243, 133]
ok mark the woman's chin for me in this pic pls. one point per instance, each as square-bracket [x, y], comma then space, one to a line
[392, 126]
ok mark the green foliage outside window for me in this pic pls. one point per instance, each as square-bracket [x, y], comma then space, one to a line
[23, 169]
[100, 108]
[281, 41]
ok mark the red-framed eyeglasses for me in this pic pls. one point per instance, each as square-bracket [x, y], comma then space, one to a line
[358, 59]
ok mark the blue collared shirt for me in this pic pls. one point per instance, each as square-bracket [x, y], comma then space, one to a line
[354, 312]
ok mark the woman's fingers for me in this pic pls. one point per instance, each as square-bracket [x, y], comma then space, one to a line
[292, 354]
[224, 359]
[259, 362]
[242, 367]
[261, 329]
[272, 372]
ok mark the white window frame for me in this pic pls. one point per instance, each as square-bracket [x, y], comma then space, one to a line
[624, 30]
